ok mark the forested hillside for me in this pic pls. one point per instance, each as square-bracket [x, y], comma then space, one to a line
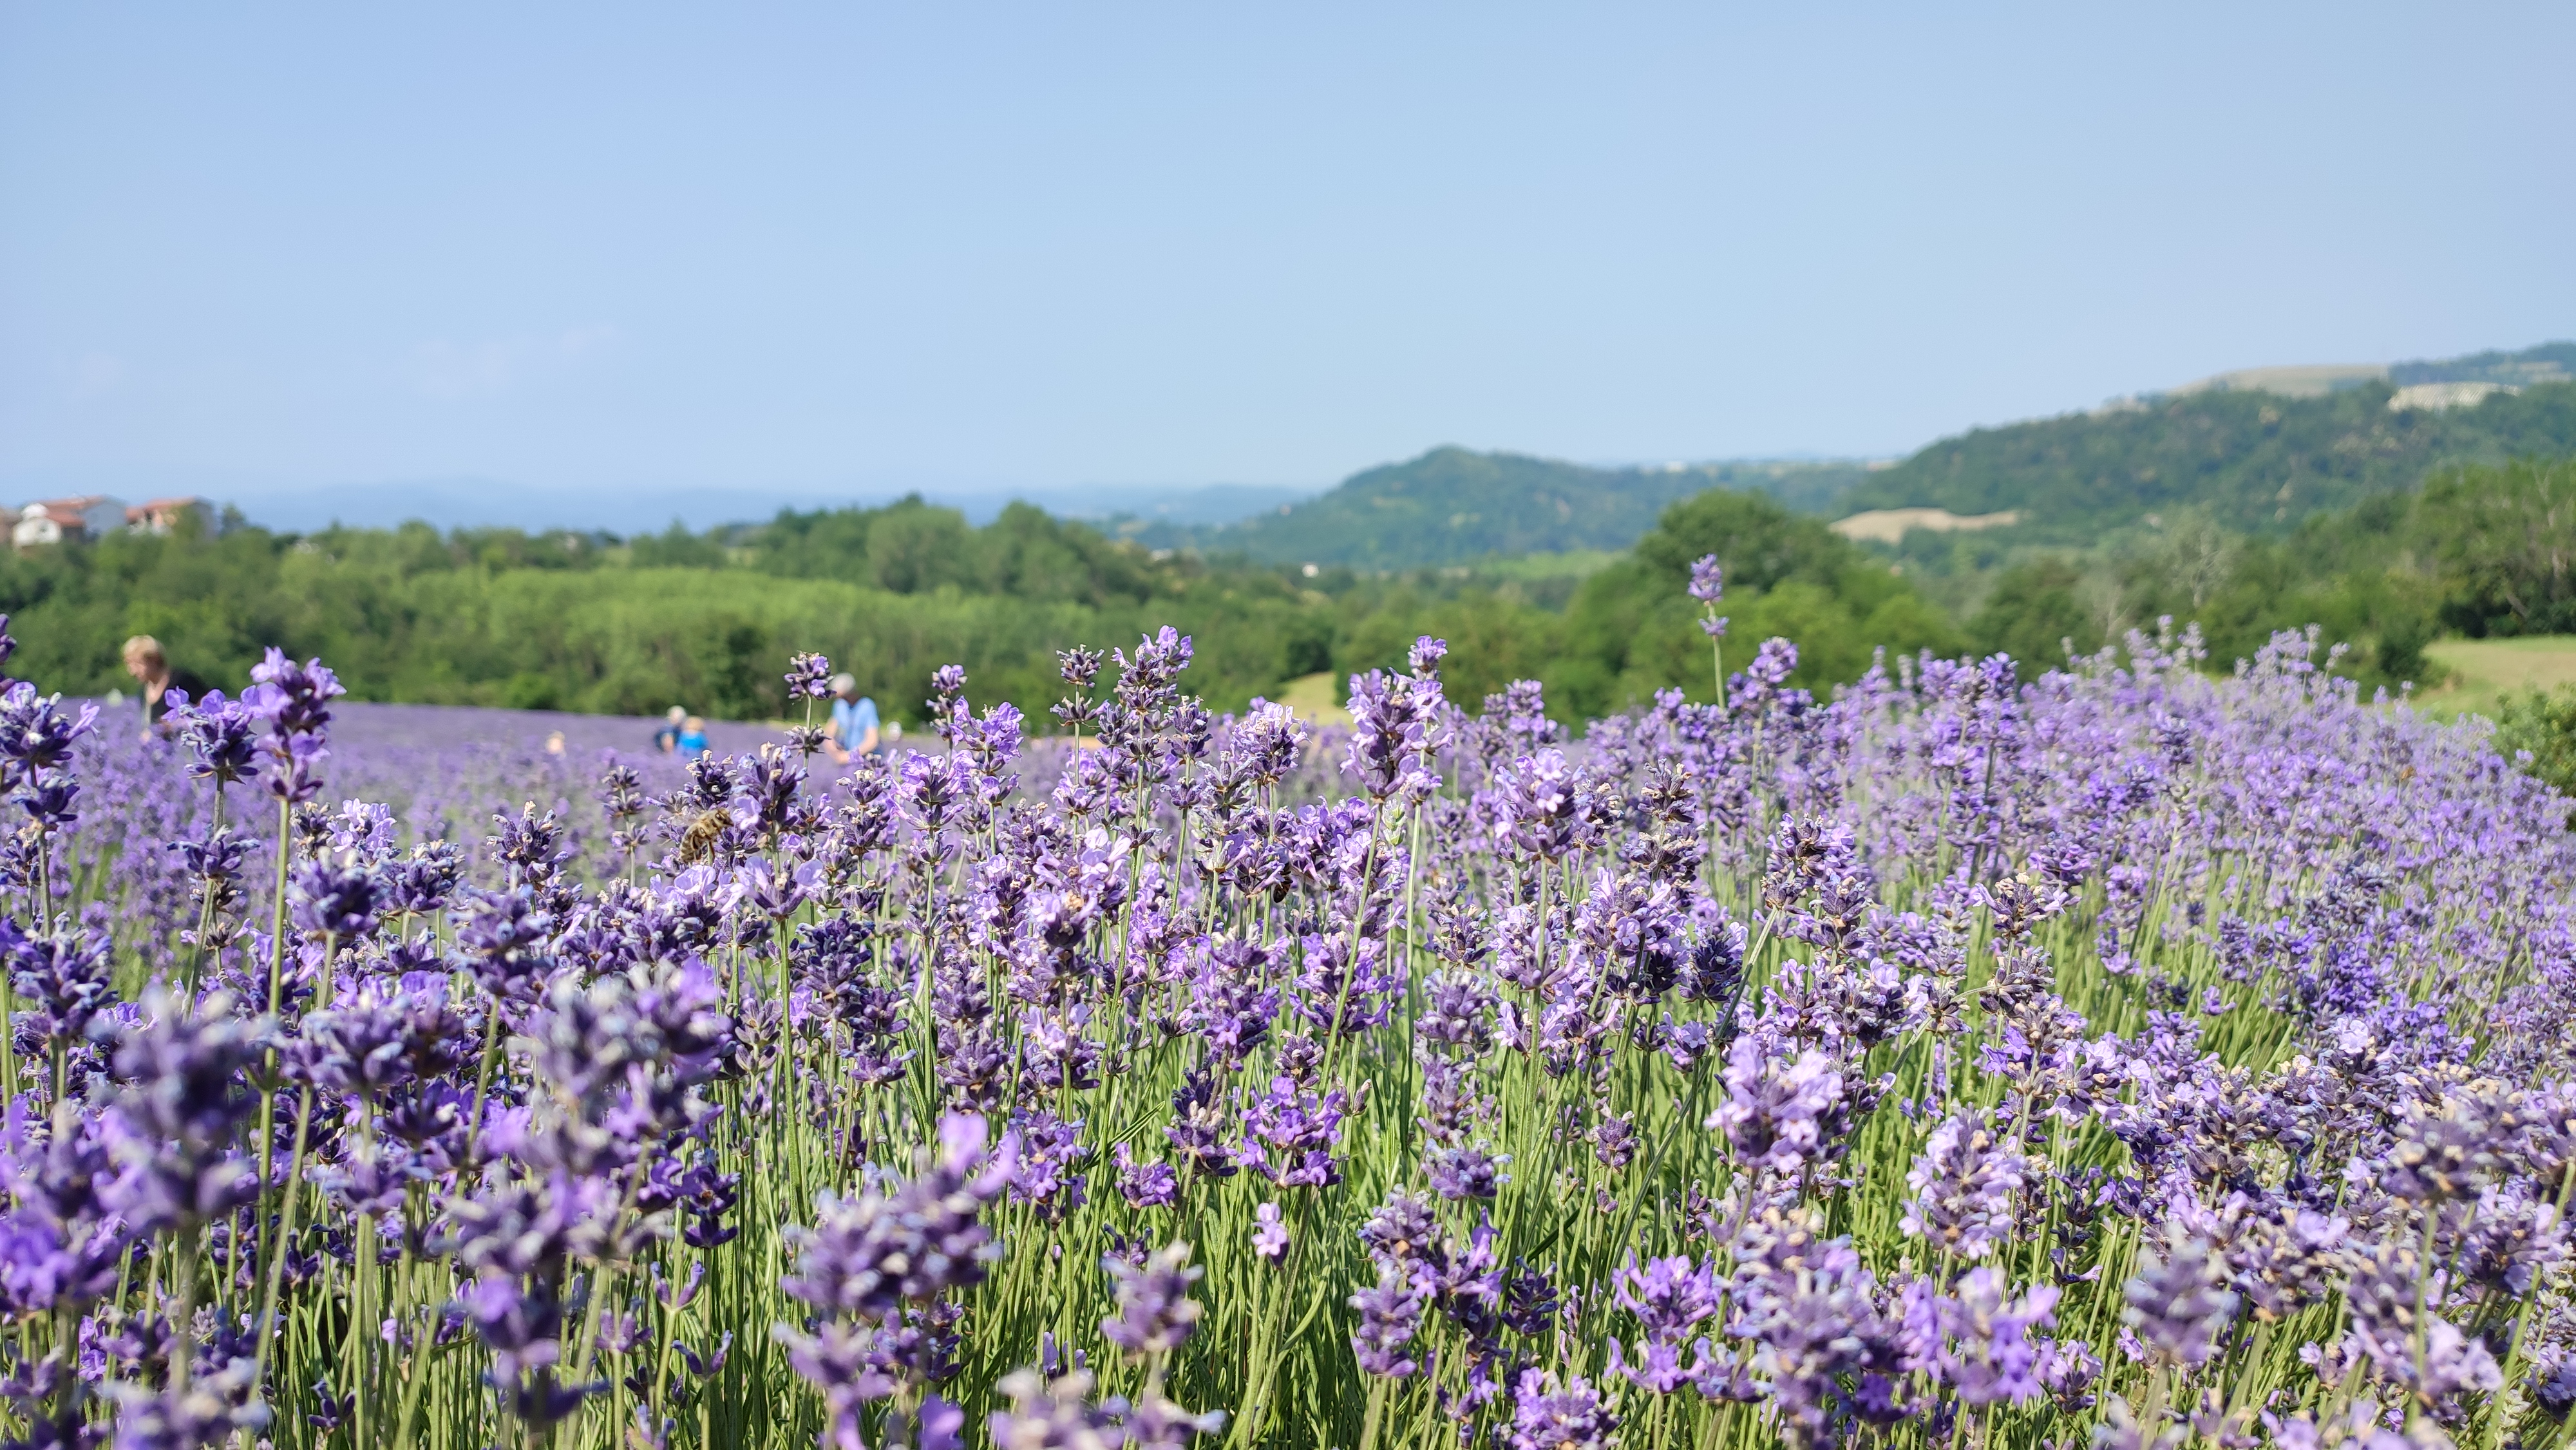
[2254, 462]
[1451, 505]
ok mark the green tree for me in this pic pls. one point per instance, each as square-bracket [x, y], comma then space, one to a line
[914, 548]
[2036, 615]
[2537, 731]
[1633, 628]
[2507, 537]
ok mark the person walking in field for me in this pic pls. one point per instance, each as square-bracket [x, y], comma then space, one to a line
[667, 739]
[692, 739]
[150, 666]
[854, 720]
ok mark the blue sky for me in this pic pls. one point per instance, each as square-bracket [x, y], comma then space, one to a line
[613, 253]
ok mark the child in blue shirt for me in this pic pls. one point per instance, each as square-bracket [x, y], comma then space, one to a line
[854, 720]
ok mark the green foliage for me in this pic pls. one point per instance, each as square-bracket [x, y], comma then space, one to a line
[2383, 577]
[2037, 616]
[1633, 628]
[2507, 538]
[587, 623]
[1452, 505]
[912, 547]
[2542, 725]
[1758, 543]
[2253, 462]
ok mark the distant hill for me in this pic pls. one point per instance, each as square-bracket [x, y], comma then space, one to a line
[2553, 362]
[2257, 450]
[2254, 459]
[1217, 503]
[1451, 505]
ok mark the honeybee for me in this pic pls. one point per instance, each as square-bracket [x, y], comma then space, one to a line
[700, 837]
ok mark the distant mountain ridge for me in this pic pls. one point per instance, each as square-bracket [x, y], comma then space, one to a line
[1451, 505]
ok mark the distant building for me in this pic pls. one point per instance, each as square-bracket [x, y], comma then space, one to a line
[2435, 397]
[2311, 381]
[50, 521]
[162, 515]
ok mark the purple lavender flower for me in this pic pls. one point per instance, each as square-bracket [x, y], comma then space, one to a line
[1051, 1414]
[1464, 1171]
[1763, 679]
[1707, 580]
[1231, 1005]
[293, 702]
[1299, 1130]
[327, 901]
[2446, 1152]
[222, 738]
[1043, 1170]
[1146, 1184]
[1269, 1233]
[1978, 1341]
[1155, 1313]
[64, 977]
[504, 942]
[1549, 1415]
[809, 677]
[180, 1106]
[1390, 1314]
[866, 1256]
[2393, 1298]
[1811, 1311]
[1396, 727]
[62, 1246]
[1539, 806]
[523, 1327]
[33, 737]
[1078, 667]
[424, 881]
[1670, 1297]
[1057, 1414]
[1458, 1013]
[2177, 1303]
[1776, 1111]
[1965, 1186]
[1708, 586]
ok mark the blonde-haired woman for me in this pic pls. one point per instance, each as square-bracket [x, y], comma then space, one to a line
[150, 665]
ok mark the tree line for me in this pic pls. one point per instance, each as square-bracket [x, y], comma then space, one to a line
[594, 622]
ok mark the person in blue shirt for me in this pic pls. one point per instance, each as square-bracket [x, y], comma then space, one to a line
[667, 739]
[693, 738]
[854, 720]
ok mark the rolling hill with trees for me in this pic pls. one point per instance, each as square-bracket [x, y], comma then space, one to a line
[1451, 505]
[2255, 462]
[2252, 461]
[2138, 514]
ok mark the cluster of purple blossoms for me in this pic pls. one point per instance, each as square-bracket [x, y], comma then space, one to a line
[1942, 1050]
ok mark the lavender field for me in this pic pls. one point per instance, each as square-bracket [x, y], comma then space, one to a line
[2139, 1057]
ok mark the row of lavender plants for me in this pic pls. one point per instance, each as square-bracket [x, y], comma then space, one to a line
[2134, 1058]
